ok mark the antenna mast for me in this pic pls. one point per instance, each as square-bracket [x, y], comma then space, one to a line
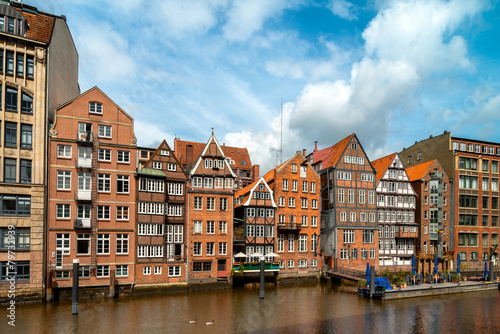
[281, 130]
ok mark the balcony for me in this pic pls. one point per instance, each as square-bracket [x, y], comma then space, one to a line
[83, 223]
[249, 267]
[83, 195]
[289, 226]
[85, 137]
[83, 162]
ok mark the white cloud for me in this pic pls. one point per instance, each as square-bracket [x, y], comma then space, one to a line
[420, 32]
[248, 16]
[150, 135]
[103, 53]
[343, 9]
[189, 15]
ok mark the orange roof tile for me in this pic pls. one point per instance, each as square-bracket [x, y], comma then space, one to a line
[381, 165]
[40, 25]
[337, 150]
[417, 172]
[239, 155]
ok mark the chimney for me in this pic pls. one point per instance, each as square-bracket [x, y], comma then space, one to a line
[189, 154]
[255, 172]
[315, 145]
[304, 152]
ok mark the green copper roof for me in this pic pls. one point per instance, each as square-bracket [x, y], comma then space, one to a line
[152, 172]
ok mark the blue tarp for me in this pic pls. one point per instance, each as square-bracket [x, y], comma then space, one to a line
[381, 281]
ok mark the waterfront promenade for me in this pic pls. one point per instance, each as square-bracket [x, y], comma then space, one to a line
[423, 290]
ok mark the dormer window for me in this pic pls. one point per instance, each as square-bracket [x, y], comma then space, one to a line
[12, 25]
[95, 108]
[164, 152]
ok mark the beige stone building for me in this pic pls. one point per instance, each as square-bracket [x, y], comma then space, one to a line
[38, 71]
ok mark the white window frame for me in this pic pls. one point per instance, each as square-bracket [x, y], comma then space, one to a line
[64, 151]
[104, 131]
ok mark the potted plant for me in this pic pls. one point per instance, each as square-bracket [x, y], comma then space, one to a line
[464, 267]
[402, 283]
[456, 278]
[362, 284]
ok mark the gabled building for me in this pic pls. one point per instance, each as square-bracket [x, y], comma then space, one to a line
[348, 209]
[38, 72]
[254, 215]
[473, 168]
[161, 220]
[296, 192]
[237, 158]
[398, 230]
[432, 186]
[92, 194]
[210, 225]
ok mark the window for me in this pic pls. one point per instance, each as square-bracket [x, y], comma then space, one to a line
[63, 180]
[104, 154]
[146, 270]
[229, 183]
[340, 195]
[197, 249]
[103, 212]
[210, 248]
[303, 203]
[63, 211]
[29, 67]
[352, 217]
[210, 227]
[171, 167]
[104, 182]
[11, 99]
[157, 164]
[95, 108]
[63, 151]
[20, 239]
[10, 166]
[211, 203]
[123, 156]
[198, 226]
[304, 186]
[343, 216]
[83, 244]
[208, 182]
[223, 204]
[63, 243]
[10, 63]
[198, 203]
[285, 184]
[467, 239]
[122, 213]
[313, 187]
[467, 182]
[348, 236]
[84, 271]
[10, 134]
[197, 182]
[291, 202]
[174, 271]
[350, 195]
[15, 205]
[294, 185]
[121, 270]
[294, 168]
[104, 131]
[121, 243]
[303, 243]
[26, 104]
[314, 204]
[26, 136]
[343, 254]
[367, 237]
[291, 243]
[103, 244]
[122, 183]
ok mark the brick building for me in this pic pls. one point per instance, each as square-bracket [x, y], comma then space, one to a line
[473, 169]
[161, 219]
[255, 226]
[237, 158]
[296, 193]
[349, 228]
[398, 230]
[91, 209]
[210, 215]
[38, 71]
[432, 186]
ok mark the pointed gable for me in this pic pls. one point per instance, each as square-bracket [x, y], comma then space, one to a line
[418, 172]
[163, 159]
[246, 195]
[381, 165]
[212, 160]
[337, 151]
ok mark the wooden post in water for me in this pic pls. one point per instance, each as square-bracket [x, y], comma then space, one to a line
[372, 281]
[75, 285]
[492, 272]
[262, 268]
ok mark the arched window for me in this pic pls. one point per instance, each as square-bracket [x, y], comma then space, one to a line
[485, 256]
[473, 256]
[27, 104]
[463, 255]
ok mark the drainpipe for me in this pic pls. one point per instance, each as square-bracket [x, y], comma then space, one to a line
[187, 235]
[45, 174]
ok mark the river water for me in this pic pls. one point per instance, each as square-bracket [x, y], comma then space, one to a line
[307, 308]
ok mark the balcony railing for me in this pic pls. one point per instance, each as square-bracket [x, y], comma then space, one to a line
[290, 226]
[255, 266]
[83, 223]
[85, 137]
[83, 195]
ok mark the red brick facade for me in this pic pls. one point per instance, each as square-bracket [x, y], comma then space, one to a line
[210, 220]
[91, 209]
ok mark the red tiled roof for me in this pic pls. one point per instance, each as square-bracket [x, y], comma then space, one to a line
[381, 165]
[417, 172]
[239, 155]
[337, 150]
[40, 25]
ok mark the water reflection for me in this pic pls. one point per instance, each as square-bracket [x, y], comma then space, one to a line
[316, 308]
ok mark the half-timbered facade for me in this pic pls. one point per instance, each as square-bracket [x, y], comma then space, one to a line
[161, 219]
[254, 227]
[398, 230]
[210, 199]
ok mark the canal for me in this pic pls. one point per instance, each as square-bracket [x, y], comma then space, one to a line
[308, 308]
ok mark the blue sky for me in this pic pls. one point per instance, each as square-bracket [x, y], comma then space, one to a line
[391, 71]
